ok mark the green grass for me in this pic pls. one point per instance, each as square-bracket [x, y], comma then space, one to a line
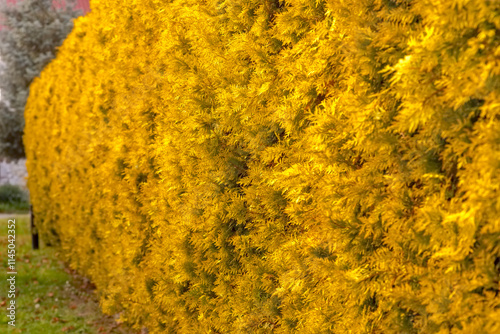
[51, 298]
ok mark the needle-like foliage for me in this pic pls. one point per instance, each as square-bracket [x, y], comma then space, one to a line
[265, 166]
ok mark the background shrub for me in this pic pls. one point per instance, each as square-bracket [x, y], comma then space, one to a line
[12, 194]
[13, 198]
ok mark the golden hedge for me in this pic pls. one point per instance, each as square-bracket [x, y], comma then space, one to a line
[265, 166]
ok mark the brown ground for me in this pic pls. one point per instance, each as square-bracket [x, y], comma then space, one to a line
[83, 299]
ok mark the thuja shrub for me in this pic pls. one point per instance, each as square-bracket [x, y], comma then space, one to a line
[267, 166]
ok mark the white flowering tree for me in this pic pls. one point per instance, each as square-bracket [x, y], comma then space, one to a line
[31, 32]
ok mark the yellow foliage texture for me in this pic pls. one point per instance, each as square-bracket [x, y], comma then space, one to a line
[265, 166]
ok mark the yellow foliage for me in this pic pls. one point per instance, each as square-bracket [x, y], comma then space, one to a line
[261, 166]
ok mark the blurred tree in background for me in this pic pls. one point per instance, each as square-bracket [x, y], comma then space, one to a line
[30, 34]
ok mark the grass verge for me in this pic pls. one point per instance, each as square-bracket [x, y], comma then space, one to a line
[50, 297]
